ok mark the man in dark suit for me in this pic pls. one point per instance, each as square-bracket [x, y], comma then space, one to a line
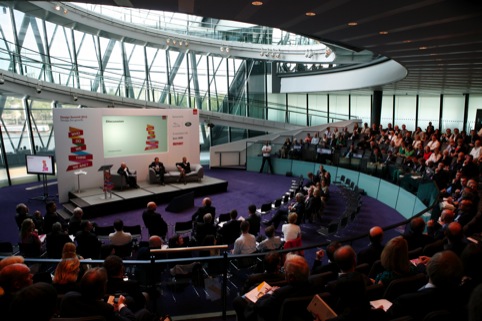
[415, 236]
[130, 177]
[373, 251]
[440, 293]
[207, 207]
[159, 168]
[88, 245]
[153, 221]
[203, 229]
[231, 229]
[282, 213]
[254, 220]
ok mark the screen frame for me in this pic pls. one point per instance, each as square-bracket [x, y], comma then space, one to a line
[29, 159]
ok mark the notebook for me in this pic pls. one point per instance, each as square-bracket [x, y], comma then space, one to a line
[320, 310]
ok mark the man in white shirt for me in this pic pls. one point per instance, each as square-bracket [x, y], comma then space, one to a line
[245, 243]
[476, 150]
[119, 237]
[266, 151]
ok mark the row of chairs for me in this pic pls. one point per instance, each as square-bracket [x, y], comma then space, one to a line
[352, 195]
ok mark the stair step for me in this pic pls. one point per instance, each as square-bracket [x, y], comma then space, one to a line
[78, 202]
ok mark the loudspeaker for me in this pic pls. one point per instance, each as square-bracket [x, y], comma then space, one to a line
[181, 203]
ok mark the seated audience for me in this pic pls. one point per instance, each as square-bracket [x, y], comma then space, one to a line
[75, 220]
[30, 244]
[291, 231]
[204, 209]
[254, 220]
[88, 245]
[13, 278]
[56, 240]
[184, 168]
[204, 229]
[331, 266]
[51, 216]
[373, 251]
[153, 221]
[395, 261]
[35, 302]
[246, 243]
[231, 229]
[119, 237]
[271, 273]
[271, 242]
[67, 274]
[282, 214]
[21, 214]
[415, 236]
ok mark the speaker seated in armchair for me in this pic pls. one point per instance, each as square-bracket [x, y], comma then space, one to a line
[156, 172]
[126, 177]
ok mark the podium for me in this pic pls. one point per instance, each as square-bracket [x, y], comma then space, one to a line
[78, 173]
[105, 169]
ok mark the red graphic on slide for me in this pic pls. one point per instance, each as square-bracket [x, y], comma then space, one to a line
[79, 156]
[151, 142]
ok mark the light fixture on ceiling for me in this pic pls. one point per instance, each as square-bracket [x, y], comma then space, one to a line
[39, 89]
[66, 11]
[227, 49]
[261, 53]
[2, 80]
[186, 43]
[174, 41]
[310, 14]
[57, 7]
[257, 3]
[383, 33]
[278, 54]
[221, 49]
[180, 43]
[75, 97]
[168, 40]
[4, 9]
[353, 24]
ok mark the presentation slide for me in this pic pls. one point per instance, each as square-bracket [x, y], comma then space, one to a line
[134, 135]
[40, 164]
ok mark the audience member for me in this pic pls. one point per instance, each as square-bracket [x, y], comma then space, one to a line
[13, 278]
[444, 272]
[11, 260]
[282, 214]
[345, 259]
[88, 245]
[254, 220]
[204, 229]
[119, 237]
[67, 274]
[231, 229]
[373, 251]
[415, 236]
[56, 240]
[331, 266]
[51, 216]
[89, 301]
[21, 214]
[153, 221]
[75, 220]
[291, 231]
[35, 302]
[271, 242]
[204, 209]
[246, 243]
[30, 244]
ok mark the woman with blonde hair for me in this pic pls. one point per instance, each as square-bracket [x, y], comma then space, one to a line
[395, 261]
[67, 274]
[291, 231]
[30, 244]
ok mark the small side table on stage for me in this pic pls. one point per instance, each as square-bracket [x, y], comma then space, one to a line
[105, 169]
[78, 173]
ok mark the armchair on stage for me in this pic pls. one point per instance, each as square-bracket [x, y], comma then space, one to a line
[119, 181]
[172, 174]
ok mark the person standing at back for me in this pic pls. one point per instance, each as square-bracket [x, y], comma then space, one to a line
[266, 151]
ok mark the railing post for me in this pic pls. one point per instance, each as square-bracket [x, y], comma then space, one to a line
[224, 296]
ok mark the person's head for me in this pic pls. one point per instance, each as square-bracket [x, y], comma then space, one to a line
[454, 232]
[27, 227]
[123, 165]
[417, 225]
[207, 201]
[233, 214]
[78, 212]
[93, 284]
[269, 231]
[316, 191]
[296, 268]
[50, 207]
[331, 249]
[376, 235]
[184, 159]
[345, 258]
[445, 270]
[22, 209]
[299, 197]
[114, 266]
[156, 159]
[67, 271]
[11, 260]
[155, 242]
[244, 227]
[272, 261]
[207, 218]
[118, 224]
[252, 209]
[394, 256]
[35, 302]
[151, 206]
[292, 218]
[56, 228]
[14, 277]
[86, 226]
[69, 250]
[447, 216]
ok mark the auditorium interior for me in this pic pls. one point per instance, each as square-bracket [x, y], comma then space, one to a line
[375, 105]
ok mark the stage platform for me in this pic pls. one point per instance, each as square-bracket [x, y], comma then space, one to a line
[94, 202]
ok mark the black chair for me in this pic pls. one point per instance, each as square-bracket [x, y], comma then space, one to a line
[135, 230]
[277, 202]
[265, 208]
[6, 248]
[183, 227]
[332, 228]
[123, 251]
[103, 232]
[223, 217]
[294, 309]
[404, 285]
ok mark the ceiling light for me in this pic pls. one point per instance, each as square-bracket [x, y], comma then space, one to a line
[180, 43]
[174, 42]
[66, 11]
[186, 43]
[407, 41]
[353, 23]
[257, 3]
[168, 40]
[422, 48]
[222, 49]
[75, 98]
[57, 7]
[2, 80]
[227, 49]
[310, 14]
[383, 32]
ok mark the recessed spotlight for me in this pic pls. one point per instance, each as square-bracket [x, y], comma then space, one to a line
[422, 48]
[353, 23]
[227, 49]
[310, 14]
[383, 32]
[407, 41]
[257, 3]
[57, 7]
[66, 11]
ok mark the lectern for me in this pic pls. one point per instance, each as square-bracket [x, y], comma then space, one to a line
[105, 169]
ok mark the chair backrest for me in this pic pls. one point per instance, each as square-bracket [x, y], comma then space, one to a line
[404, 285]
[376, 269]
[6, 248]
[224, 217]
[103, 232]
[277, 202]
[123, 251]
[321, 279]
[183, 227]
[265, 207]
[135, 230]
[294, 309]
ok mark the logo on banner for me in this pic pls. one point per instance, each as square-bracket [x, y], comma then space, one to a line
[79, 156]
[151, 142]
